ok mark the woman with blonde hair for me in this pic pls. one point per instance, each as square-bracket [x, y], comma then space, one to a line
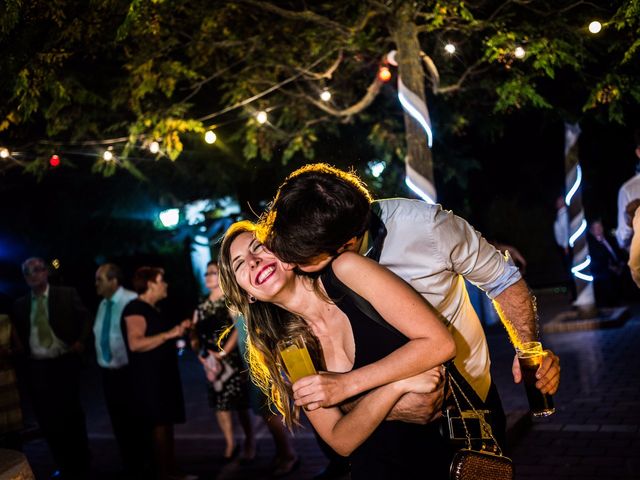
[391, 346]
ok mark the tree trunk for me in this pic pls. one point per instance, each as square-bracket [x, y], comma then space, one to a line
[405, 35]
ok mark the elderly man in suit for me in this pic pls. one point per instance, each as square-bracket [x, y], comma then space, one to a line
[53, 327]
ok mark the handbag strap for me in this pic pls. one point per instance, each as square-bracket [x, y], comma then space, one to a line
[483, 423]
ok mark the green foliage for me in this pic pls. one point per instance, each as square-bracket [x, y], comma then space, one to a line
[166, 71]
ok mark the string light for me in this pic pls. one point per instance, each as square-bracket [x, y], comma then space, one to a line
[261, 117]
[55, 263]
[107, 156]
[595, 27]
[210, 136]
[450, 48]
[54, 161]
[154, 147]
[519, 52]
[384, 74]
[325, 96]
[4, 153]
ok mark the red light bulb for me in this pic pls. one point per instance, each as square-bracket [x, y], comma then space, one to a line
[384, 74]
[54, 161]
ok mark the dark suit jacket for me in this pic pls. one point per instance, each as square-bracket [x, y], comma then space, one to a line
[68, 317]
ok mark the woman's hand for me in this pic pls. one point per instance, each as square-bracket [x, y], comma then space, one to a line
[178, 330]
[425, 382]
[323, 390]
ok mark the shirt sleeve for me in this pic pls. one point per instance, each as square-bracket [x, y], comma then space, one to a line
[466, 252]
[623, 232]
[634, 251]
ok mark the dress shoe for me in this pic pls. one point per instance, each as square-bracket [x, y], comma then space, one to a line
[285, 466]
[232, 457]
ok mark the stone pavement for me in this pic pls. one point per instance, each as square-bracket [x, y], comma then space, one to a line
[594, 433]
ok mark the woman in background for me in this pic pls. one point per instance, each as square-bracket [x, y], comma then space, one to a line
[157, 390]
[227, 378]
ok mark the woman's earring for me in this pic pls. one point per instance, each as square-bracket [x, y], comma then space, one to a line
[252, 299]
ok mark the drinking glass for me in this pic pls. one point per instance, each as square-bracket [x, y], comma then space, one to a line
[295, 356]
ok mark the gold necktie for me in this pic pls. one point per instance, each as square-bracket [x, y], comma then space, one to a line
[45, 336]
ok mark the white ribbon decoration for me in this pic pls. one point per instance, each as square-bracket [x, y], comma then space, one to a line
[417, 109]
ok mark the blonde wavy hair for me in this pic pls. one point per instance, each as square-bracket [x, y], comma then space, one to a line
[266, 324]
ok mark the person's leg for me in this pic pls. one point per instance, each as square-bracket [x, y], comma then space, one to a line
[226, 425]
[126, 430]
[286, 459]
[249, 436]
[163, 451]
[498, 417]
[56, 401]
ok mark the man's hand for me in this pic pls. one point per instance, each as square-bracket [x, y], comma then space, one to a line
[423, 407]
[548, 373]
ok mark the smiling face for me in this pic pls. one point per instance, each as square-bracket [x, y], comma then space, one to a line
[256, 270]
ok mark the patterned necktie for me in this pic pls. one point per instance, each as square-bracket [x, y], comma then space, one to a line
[106, 330]
[45, 337]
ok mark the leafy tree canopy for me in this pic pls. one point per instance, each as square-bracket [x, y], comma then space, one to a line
[78, 76]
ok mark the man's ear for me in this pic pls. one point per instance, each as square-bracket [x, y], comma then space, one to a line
[351, 244]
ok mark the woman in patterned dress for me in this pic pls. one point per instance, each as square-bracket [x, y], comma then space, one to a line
[227, 378]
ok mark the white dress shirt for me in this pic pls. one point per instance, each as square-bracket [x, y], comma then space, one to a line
[119, 357]
[561, 227]
[630, 190]
[434, 251]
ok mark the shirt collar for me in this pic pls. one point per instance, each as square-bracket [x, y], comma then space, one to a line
[116, 295]
[374, 237]
[44, 294]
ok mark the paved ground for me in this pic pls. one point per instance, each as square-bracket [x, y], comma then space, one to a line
[593, 435]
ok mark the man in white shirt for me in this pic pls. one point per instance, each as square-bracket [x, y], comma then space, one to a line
[629, 191]
[320, 211]
[111, 355]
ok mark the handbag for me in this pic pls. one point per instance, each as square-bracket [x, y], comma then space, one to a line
[477, 464]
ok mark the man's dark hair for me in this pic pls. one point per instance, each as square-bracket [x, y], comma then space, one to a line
[111, 271]
[143, 275]
[316, 211]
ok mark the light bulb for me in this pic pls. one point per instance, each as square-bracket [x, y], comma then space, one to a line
[519, 52]
[450, 48]
[210, 137]
[4, 153]
[107, 156]
[154, 147]
[384, 74]
[261, 117]
[325, 96]
[595, 27]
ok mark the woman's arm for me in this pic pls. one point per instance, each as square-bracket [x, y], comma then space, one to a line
[138, 342]
[345, 432]
[430, 344]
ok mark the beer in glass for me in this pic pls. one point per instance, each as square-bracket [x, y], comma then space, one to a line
[530, 355]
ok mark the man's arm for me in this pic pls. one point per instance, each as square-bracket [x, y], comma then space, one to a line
[516, 308]
[419, 408]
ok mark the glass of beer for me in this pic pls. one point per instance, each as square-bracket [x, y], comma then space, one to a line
[530, 355]
[295, 356]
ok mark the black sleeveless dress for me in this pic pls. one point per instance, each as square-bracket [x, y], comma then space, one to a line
[156, 388]
[395, 449]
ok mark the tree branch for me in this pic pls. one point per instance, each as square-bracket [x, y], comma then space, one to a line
[469, 72]
[305, 15]
[364, 102]
[327, 73]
